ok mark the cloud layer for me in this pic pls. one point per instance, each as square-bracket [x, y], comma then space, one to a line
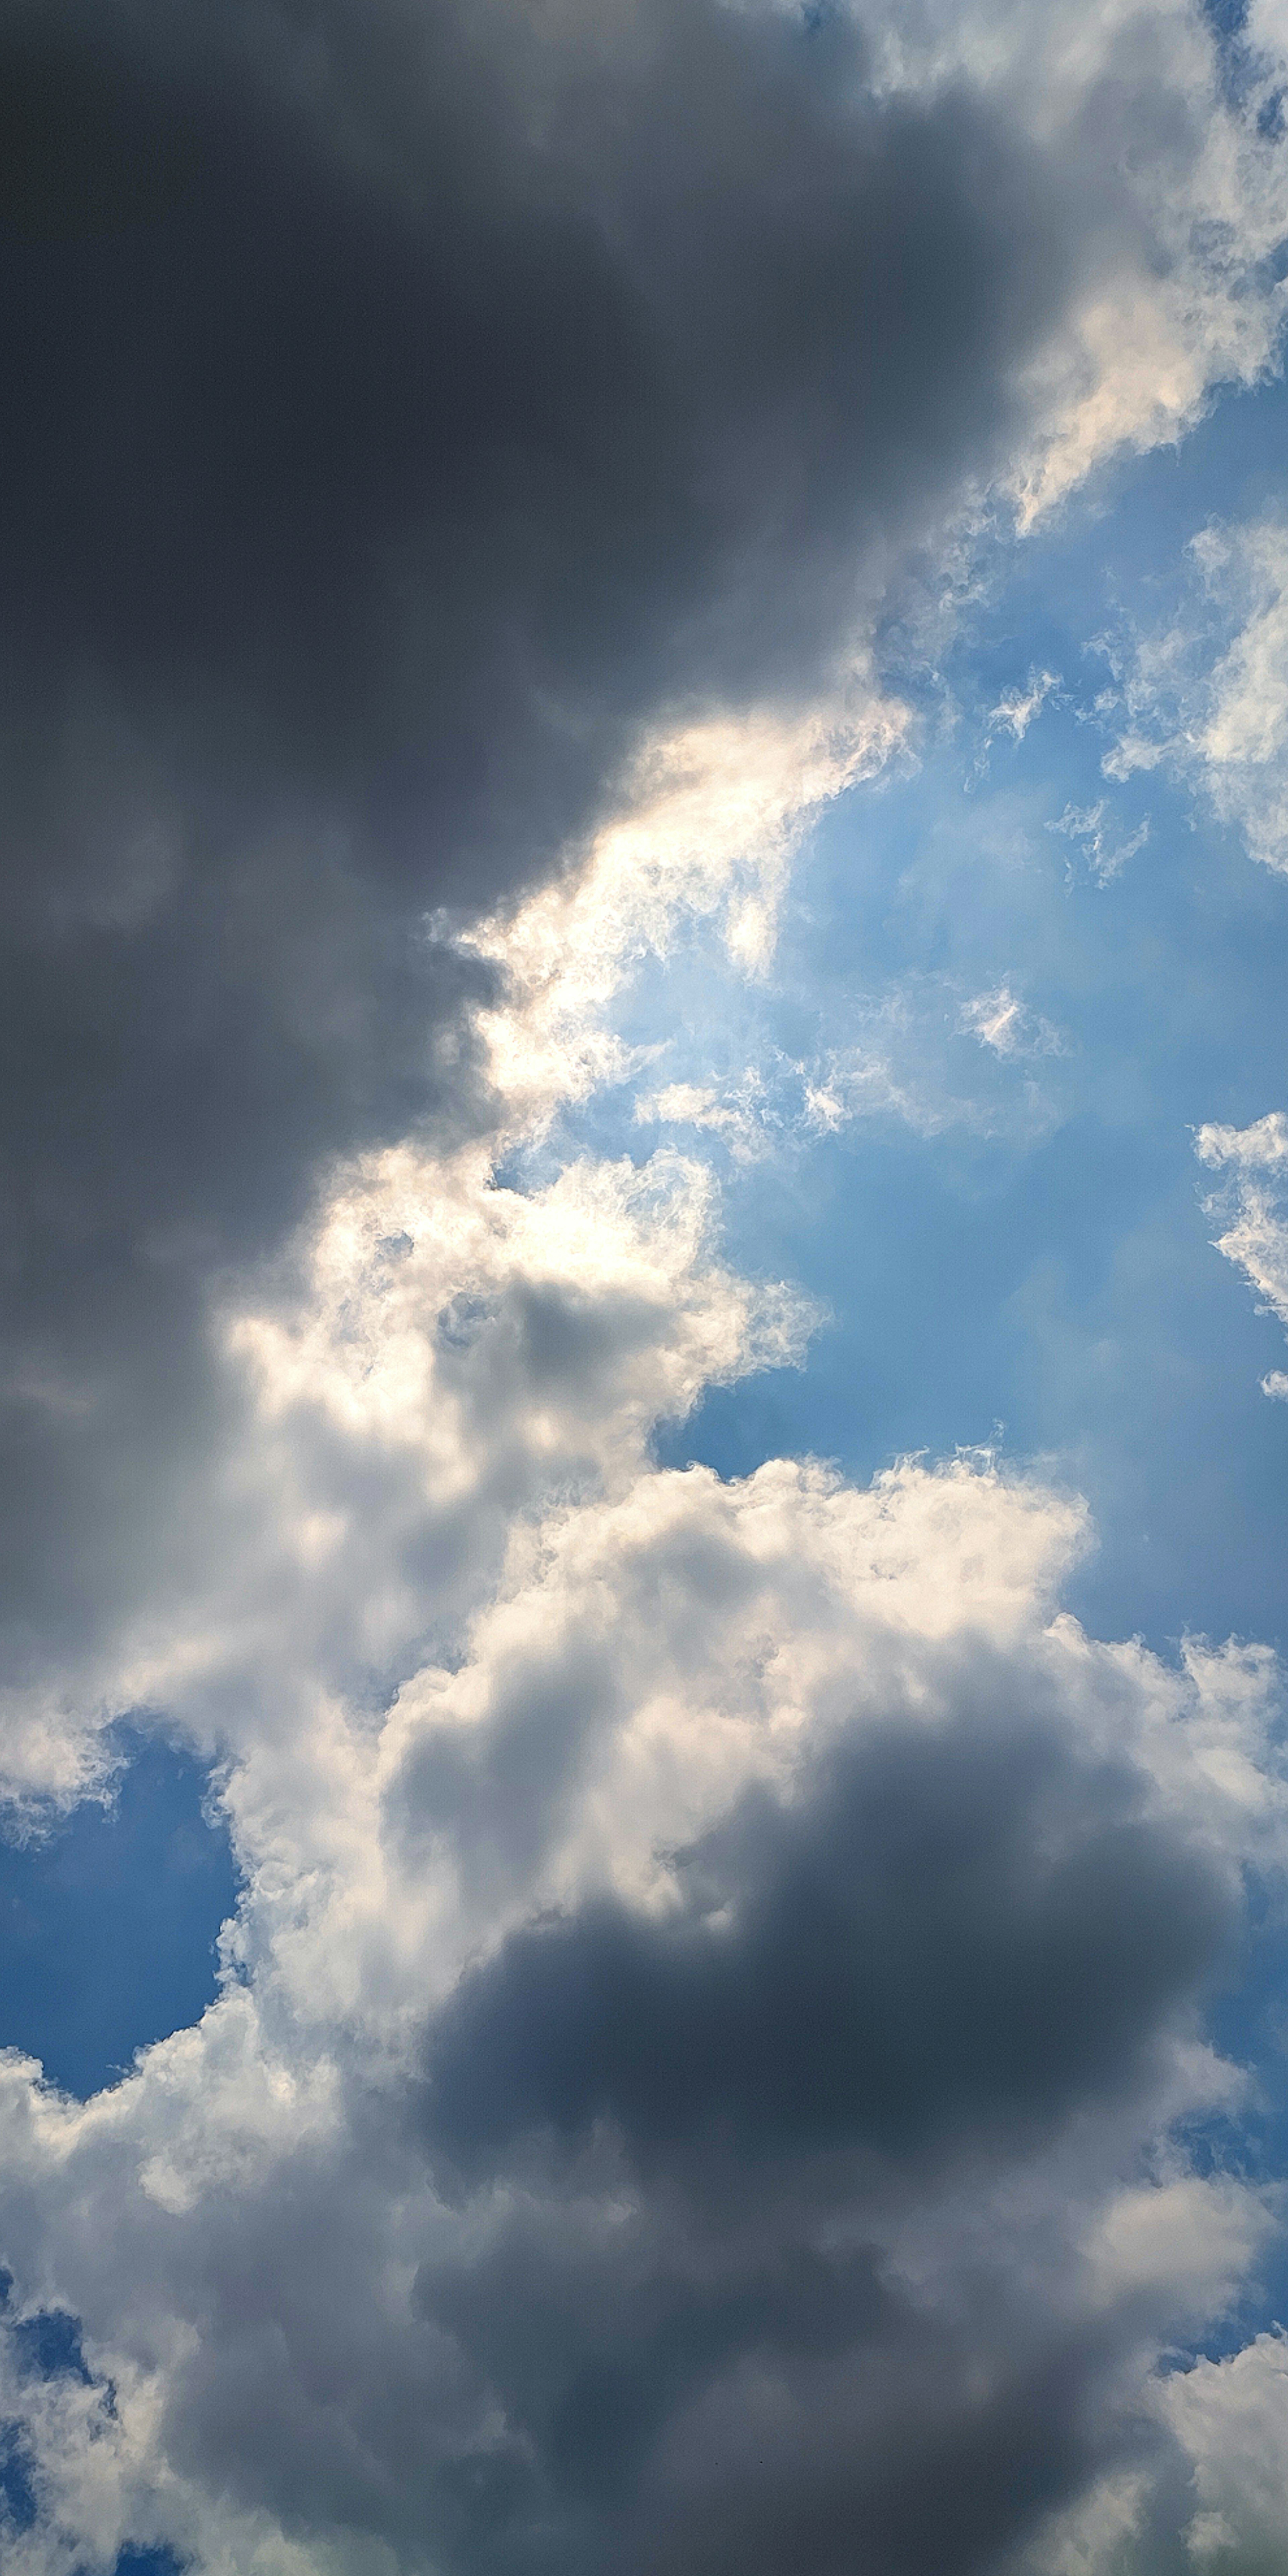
[708, 2061]
[415, 416]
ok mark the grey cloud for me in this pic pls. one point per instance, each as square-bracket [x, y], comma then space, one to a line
[789, 2410]
[699, 2404]
[404, 407]
[496, 1789]
[594, 2380]
[408, 402]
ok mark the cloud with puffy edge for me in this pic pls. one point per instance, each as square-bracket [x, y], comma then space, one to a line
[724, 2021]
[435, 437]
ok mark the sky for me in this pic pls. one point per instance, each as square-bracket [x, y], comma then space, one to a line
[643, 835]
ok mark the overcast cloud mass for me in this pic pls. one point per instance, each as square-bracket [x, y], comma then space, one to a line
[613, 695]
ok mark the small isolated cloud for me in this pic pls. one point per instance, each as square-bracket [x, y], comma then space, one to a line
[1016, 710]
[790, 1102]
[1002, 1021]
[1092, 828]
[1252, 1199]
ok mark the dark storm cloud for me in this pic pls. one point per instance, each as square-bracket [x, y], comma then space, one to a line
[666, 2405]
[402, 407]
[943, 1935]
[719, 2402]
[938, 1949]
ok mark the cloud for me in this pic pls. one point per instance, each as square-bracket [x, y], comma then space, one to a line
[716, 813]
[461, 466]
[439, 443]
[1229, 2417]
[695, 2072]
[1220, 2507]
[1208, 696]
[438, 1356]
[1148, 332]
[1002, 1021]
[905, 1063]
[1254, 1198]
[936, 1936]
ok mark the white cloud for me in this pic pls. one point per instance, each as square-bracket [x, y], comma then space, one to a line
[750, 1118]
[1208, 696]
[242, 2224]
[903, 1062]
[1104, 854]
[790, 1103]
[1253, 1204]
[712, 816]
[1016, 709]
[1005, 1023]
[1231, 2419]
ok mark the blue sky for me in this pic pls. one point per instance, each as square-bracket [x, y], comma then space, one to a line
[111, 1920]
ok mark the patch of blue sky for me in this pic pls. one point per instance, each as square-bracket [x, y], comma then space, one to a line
[1024, 1242]
[133, 2561]
[1021, 985]
[18, 2504]
[109, 1921]
[47, 2345]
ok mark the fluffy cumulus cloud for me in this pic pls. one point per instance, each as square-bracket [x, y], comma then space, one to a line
[1230, 2416]
[903, 1065]
[708, 2063]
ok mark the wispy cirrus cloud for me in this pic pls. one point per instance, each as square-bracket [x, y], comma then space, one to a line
[1094, 832]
